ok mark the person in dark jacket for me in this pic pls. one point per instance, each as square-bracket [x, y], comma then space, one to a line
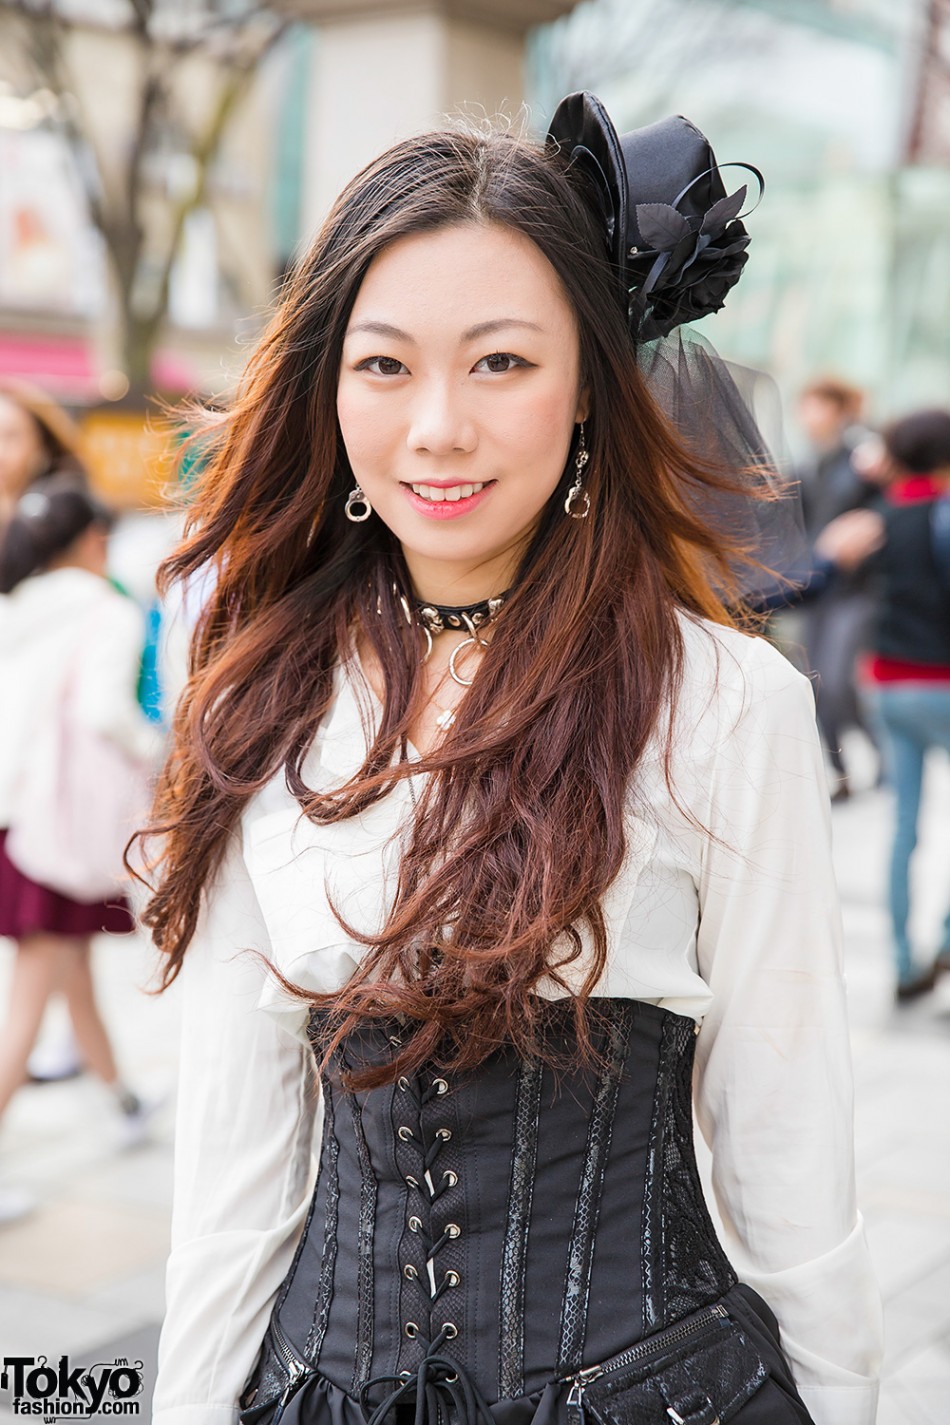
[905, 677]
[838, 619]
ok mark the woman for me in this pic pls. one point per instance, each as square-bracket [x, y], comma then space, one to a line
[472, 758]
[64, 633]
[36, 438]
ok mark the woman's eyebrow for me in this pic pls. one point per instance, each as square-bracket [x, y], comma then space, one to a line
[381, 329]
[497, 324]
[472, 334]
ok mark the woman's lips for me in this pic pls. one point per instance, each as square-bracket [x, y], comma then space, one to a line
[448, 509]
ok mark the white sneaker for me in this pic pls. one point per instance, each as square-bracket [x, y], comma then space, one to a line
[56, 1059]
[14, 1204]
[134, 1128]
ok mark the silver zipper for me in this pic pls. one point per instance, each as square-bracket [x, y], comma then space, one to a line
[297, 1370]
[641, 1351]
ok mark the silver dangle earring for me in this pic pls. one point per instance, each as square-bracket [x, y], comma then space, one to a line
[354, 499]
[577, 500]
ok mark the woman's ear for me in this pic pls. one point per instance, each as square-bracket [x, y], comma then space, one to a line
[583, 406]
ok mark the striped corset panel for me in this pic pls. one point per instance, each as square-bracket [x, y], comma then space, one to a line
[519, 1222]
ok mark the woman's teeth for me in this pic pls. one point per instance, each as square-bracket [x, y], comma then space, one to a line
[452, 492]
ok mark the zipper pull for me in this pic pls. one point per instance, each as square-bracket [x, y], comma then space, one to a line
[297, 1376]
[575, 1396]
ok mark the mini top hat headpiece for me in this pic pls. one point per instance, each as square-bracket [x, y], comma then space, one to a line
[676, 242]
[674, 236]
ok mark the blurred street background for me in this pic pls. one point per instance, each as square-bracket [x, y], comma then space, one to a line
[162, 165]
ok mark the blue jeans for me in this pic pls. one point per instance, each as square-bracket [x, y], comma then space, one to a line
[911, 717]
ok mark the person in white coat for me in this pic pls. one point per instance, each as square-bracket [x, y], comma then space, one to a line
[70, 644]
[484, 817]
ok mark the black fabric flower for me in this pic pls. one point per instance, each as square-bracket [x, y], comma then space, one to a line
[672, 235]
[688, 266]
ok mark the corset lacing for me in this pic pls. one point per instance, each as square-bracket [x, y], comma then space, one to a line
[437, 1377]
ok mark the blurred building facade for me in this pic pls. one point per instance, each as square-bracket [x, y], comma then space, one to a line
[56, 319]
[845, 106]
[346, 78]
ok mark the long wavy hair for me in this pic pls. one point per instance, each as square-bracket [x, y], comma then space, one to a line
[520, 828]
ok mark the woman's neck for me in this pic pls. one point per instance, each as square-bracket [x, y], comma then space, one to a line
[458, 586]
[91, 566]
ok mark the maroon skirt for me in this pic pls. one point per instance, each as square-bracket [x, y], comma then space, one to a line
[27, 908]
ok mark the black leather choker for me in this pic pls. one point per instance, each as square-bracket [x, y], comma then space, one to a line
[438, 617]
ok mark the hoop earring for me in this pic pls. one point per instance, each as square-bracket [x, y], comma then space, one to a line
[577, 495]
[354, 498]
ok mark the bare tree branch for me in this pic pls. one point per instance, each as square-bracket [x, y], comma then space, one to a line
[233, 44]
[204, 151]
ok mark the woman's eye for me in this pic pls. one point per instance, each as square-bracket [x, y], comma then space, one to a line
[382, 366]
[499, 362]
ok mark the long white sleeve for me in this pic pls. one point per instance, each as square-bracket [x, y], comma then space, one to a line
[243, 1165]
[774, 1085]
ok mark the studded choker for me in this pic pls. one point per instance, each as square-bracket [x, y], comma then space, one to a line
[436, 618]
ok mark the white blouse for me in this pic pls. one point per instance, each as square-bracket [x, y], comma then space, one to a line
[739, 929]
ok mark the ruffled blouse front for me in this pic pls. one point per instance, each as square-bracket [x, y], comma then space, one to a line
[301, 871]
[724, 910]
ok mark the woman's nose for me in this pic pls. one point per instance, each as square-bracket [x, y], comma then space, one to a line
[439, 422]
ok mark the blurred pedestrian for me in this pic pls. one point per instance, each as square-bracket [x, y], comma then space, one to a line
[69, 656]
[836, 622]
[36, 437]
[905, 678]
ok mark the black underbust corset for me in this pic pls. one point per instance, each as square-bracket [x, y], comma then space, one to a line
[475, 1244]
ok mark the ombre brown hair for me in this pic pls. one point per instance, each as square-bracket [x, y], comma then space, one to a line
[520, 828]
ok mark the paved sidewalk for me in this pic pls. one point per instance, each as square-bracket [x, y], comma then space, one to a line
[84, 1275]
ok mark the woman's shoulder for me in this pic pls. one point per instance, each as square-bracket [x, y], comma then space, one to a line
[50, 605]
[67, 595]
[731, 677]
[732, 654]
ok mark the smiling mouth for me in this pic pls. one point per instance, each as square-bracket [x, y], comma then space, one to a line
[437, 494]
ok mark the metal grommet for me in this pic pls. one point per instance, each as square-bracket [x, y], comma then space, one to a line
[452, 1278]
[444, 1133]
[413, 1182]
[440, 1085]
[412, 1330]
[451, 1380]
[404, 1133]
[415, 1224]
[450, 1329]
[452, 1177]
[453, 1229]
[410, 1272]
[405, 1375]
[403, 1082]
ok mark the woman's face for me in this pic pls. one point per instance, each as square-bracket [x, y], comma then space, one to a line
[22, 453]
[458, 395]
